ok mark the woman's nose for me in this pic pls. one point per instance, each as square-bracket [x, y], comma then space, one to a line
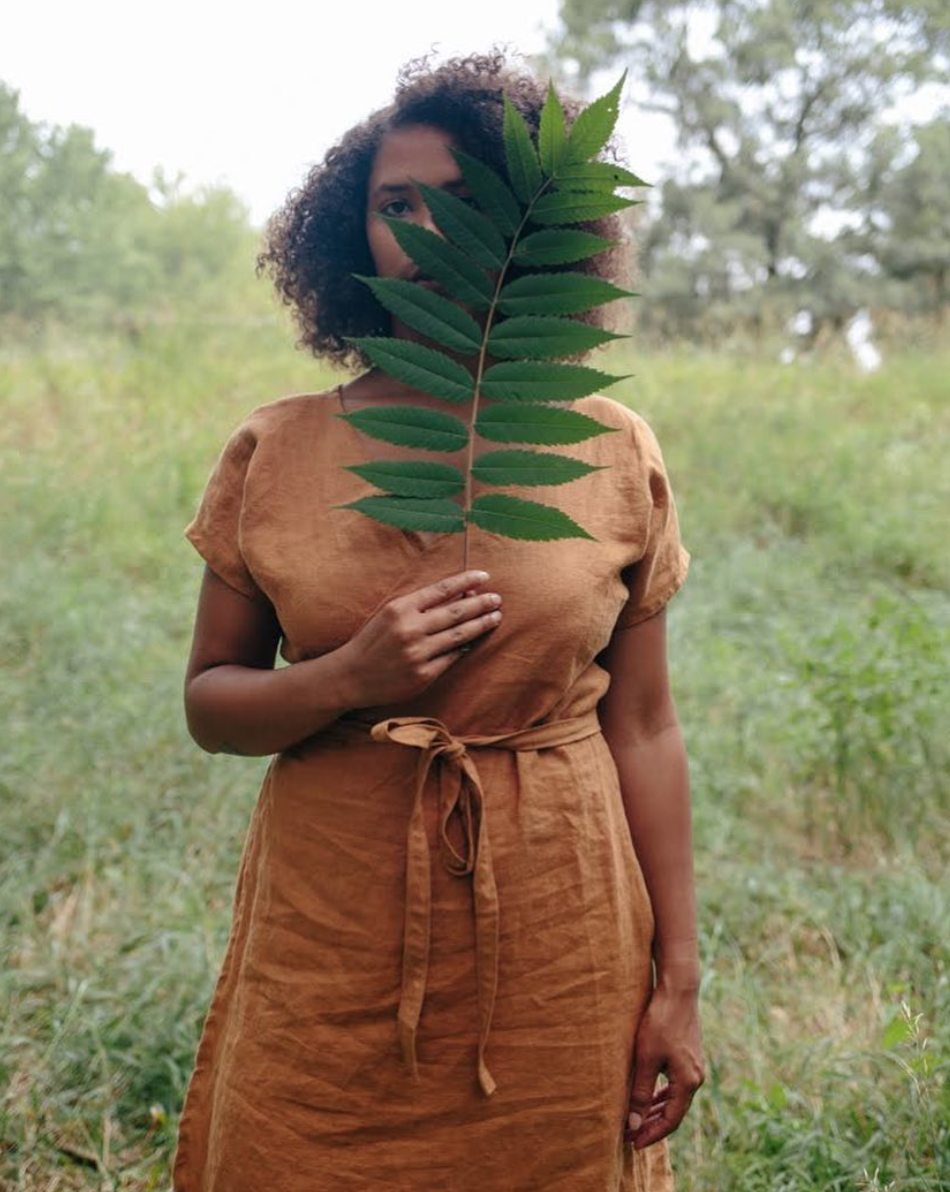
[429, 223]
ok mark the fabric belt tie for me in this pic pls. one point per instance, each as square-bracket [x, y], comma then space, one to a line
[465, 848]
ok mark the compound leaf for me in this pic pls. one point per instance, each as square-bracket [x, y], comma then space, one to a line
[436, 317]
[552, 134]
[492, 195]
[513, 517]
[557, 294]
[411, 426]
[443, 262]
[527, 468]
[559, 247]
[569, 207]
[594, 125]
[541, 380]
[468, 228]
[596, 175]
[521, 156]
[411, 477]
[523, 329]
[537, 424]
[410, 513]
[545, 337]
[415, 364]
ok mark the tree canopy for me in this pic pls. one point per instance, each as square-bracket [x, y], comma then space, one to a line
[83, 243]
[784, 111]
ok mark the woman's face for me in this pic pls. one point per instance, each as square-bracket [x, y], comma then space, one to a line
[416, 153]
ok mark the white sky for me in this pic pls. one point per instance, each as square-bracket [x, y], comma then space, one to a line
[247, 95]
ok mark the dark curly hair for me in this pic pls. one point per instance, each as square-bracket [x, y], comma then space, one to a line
[316, 242]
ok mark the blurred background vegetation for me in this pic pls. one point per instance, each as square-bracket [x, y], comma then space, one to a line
[810, 647]
[811, 145]
[84, 247]
[814, 148]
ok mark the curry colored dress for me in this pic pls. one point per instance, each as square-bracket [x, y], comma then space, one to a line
[441, 938]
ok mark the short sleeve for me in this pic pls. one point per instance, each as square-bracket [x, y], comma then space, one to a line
[661, 569]
[215, 532]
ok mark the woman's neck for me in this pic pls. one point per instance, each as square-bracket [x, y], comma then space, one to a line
[375, 386]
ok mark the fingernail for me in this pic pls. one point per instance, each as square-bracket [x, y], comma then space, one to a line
[635, 1121]
[480, 575]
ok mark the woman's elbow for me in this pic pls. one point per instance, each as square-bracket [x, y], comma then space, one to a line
[199, 717]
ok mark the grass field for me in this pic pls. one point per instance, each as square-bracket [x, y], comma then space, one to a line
[810, 651]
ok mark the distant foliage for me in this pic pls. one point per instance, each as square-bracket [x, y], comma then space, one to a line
[86, 245]
[795, 179]
[909, 228]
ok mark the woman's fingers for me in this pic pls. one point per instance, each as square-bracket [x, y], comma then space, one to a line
[456, 612]
[412, 639]
[643, 1120]
[669, 1043]
[655, 1116]
[660, 1118]
[447, 589]
[462, 634]
[643, 1090]
[651, 1108]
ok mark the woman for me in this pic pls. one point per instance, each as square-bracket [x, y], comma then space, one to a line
[463, 947]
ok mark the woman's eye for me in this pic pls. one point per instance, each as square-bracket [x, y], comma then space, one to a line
[395, 208]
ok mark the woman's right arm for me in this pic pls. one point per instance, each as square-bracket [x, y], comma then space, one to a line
[236, 702]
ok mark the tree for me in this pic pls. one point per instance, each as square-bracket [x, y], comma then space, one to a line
[203, 246]
[910, 227]
[18, 150]
[775, 105]
[61, 248]
[83, 243]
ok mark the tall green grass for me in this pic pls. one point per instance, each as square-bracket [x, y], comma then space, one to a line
[810, 654]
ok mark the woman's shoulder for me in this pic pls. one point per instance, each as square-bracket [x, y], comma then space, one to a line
[609, 410]
[619, 417]
[287, 417]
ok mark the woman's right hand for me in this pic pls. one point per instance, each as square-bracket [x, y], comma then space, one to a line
[413, 639]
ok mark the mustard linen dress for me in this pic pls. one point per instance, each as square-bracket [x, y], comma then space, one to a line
[440, 946]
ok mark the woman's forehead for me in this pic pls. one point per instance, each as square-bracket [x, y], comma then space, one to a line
[415, 151]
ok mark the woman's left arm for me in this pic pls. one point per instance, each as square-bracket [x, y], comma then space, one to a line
[642, 729]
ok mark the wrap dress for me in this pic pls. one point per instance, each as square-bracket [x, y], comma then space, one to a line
[441, 938]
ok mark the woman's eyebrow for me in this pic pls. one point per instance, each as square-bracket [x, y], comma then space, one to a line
[392, 188]
[401, 188]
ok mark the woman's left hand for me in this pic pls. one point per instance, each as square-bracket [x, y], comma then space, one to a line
[669, 1041]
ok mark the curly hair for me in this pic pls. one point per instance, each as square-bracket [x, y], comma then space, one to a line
[316, 242]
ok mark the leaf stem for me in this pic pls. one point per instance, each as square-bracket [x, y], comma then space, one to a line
[480, 372]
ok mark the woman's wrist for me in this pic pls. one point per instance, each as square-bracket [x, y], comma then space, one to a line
[677, 967]
[347, 686]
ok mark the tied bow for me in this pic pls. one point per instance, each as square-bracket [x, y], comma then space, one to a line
[465, 849]
[462, 806]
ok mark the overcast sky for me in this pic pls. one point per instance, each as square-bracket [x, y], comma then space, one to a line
[246, 94]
